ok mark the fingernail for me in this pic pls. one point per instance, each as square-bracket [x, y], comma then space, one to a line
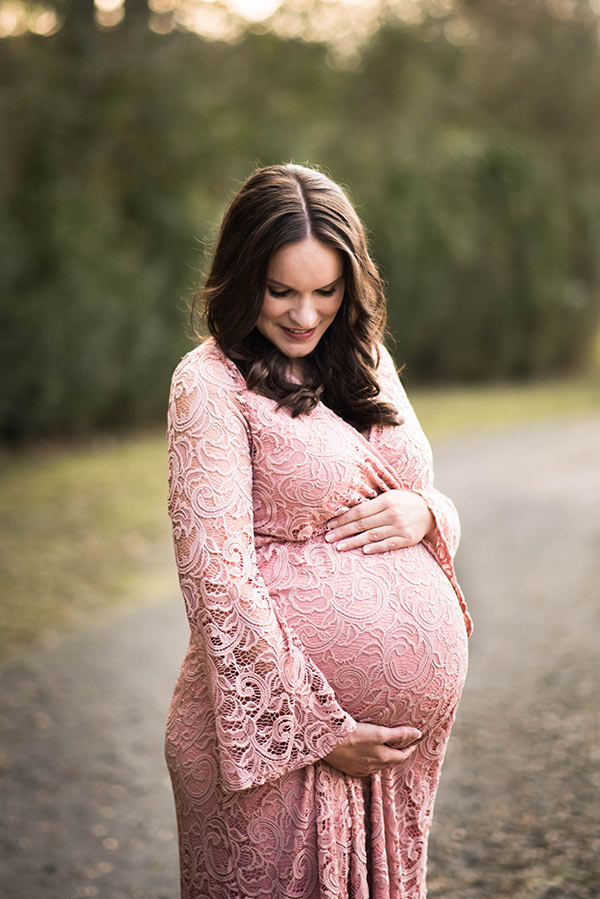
[341, 545]
[332, 523]
[329, 537]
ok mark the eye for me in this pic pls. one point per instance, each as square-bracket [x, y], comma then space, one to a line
[277, 293]
[327, 293]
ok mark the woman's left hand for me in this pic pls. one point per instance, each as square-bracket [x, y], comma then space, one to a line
[391, 520]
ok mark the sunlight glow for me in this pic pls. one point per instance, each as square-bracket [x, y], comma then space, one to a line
[13, 19]
[17, 18]
[459, 32]
[161, 22]
[108, 5]
[109, 13]
[410, 11]
[213, 20]
[254, 10]
[344, 24]
[44, 23]
[162, 6]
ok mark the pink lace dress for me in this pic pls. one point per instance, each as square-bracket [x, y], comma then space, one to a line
[292, 642]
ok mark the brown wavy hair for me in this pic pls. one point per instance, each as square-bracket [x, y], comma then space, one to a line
[279, 205]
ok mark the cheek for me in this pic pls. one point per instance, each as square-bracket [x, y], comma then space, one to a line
[267, 313]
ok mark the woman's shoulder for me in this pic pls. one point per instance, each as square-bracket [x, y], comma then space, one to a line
[383, 357]
[388, 376]
[207, 364]
[385, 365]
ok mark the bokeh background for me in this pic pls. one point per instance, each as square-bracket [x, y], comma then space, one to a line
[466, 132]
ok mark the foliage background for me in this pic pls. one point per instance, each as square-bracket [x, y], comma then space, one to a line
[466, 132]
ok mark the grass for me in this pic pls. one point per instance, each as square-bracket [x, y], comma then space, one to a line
[84, 529]
[81, 529]
[444, 412]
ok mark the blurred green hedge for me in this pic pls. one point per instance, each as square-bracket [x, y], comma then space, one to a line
[121, 151]
[477, 240]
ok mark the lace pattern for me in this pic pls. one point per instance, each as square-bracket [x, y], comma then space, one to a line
[274, 711]
[292, 642]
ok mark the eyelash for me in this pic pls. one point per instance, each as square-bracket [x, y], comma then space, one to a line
[284, 293]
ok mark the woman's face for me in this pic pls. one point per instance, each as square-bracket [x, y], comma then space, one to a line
[305, 288]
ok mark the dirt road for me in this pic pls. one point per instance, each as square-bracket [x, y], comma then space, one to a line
[86, 804]
[518, 812]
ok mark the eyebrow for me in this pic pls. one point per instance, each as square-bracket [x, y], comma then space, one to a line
[287, 286]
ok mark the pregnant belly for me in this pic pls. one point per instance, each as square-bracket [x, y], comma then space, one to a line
[386, 629]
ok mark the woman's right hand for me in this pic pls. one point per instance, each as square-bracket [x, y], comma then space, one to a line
[367, 749]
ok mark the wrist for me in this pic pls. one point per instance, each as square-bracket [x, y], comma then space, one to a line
[432, 532]
[430, 522]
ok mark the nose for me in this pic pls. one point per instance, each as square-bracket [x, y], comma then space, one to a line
[304, 313]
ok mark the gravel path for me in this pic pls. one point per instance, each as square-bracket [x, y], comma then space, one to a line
[86, 803]
[518, 812]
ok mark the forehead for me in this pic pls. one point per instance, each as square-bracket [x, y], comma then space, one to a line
[306, 265]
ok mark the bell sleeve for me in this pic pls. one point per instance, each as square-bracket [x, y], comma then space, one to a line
[274, 710]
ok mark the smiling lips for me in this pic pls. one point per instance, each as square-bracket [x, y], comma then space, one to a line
[298, 335]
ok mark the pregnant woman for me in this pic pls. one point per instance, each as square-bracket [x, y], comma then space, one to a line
[328, 645]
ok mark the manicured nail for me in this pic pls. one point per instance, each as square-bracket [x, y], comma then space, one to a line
[341, 545]
[332, 523]
[367, 549]
[329, 537]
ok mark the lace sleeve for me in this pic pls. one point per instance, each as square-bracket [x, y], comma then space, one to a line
[447, 525]
[274, 709]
